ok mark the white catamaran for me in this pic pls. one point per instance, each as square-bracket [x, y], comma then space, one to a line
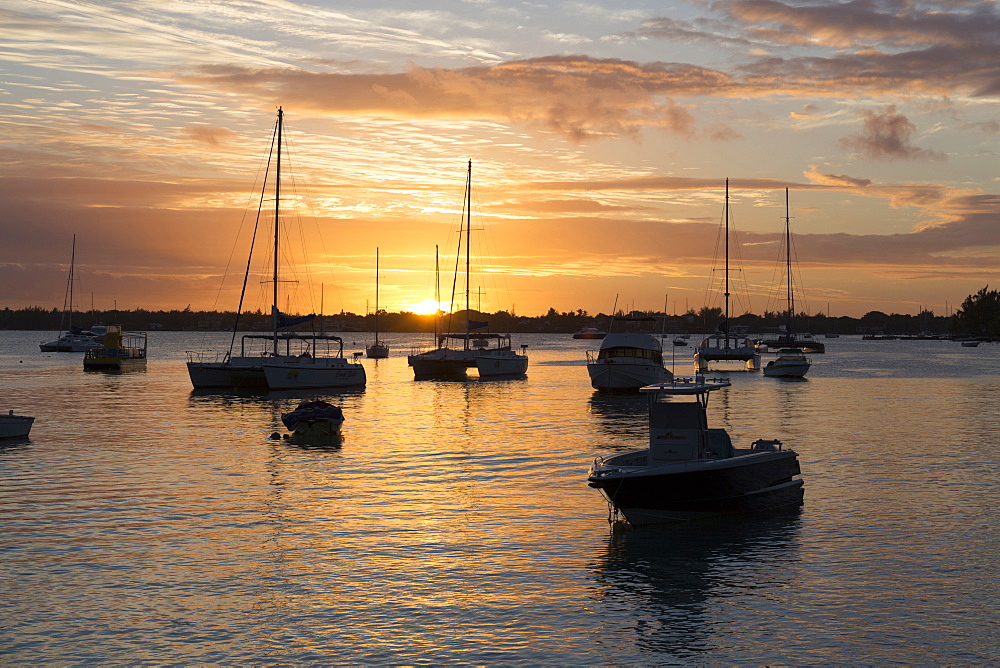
[288, 360]
[726, 344]
[445, 360]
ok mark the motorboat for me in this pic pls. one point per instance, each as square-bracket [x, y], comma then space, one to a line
[502, 362]
[378, 349]
[785, 339]
[627, 361]
[314, 418]
[590, 333]
[15, 426]
[790, 363]
[318, 366]
[72, 339]
[691, 471]
[118, 350]
[970, 343]
[727, 343]
[78, 341]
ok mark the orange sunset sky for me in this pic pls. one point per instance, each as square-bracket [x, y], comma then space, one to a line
[601, 135]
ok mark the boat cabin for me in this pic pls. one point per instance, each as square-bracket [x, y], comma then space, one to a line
[678, 430]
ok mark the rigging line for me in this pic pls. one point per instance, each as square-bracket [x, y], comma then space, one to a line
[262, 167]
[253, 240]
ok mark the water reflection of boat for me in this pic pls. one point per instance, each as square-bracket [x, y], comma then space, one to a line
[691, 471]
[622, 416]
[656, 584]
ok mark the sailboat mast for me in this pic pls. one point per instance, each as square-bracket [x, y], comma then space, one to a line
[72, 279]
[468, 243]
[725, 323]
[376, 294]
[788, 266]
[437, 292]
[277, 206]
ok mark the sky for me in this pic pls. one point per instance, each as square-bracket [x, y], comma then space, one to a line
[601, 136]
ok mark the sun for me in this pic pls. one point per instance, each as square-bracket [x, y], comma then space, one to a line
[426, 307]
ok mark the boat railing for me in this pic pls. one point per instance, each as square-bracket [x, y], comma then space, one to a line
[206, 357]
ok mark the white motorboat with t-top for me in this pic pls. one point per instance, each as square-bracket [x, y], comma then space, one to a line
[627, 361]
[689, 470]
[790, 363]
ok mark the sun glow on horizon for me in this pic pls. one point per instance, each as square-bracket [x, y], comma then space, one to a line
[425, 307]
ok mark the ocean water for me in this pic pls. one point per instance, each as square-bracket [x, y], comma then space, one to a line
[452, 523]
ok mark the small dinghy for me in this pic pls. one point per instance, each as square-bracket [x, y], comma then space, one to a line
[314, 418]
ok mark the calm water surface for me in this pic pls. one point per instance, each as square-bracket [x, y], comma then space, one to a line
[145, 522]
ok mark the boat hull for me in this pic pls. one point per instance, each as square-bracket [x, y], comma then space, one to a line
[377, 351]
[786, 370]
[743, 484]
[222, 375]
[70, 345]
[15, 426]
[621, 375]
[442, 362]
[490, 366]
[314, 373]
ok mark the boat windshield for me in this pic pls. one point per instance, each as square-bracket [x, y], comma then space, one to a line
[630, 352]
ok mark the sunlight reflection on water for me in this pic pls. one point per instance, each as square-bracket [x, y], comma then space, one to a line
[143, 521]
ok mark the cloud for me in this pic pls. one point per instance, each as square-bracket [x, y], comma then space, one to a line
[836, 179]
[578, 96]
[210, 136]
[887, 135]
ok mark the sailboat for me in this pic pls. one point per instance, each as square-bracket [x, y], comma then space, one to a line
[287, 360]
[445, 360]
[75, 340]
[725, 344]
[788, 338]
[377, 350]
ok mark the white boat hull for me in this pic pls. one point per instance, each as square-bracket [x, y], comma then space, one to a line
[15, 426]
[619, 374]
[786, 370]
[70, 343]
[308, 373]
[500, 364]
[377, 351]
